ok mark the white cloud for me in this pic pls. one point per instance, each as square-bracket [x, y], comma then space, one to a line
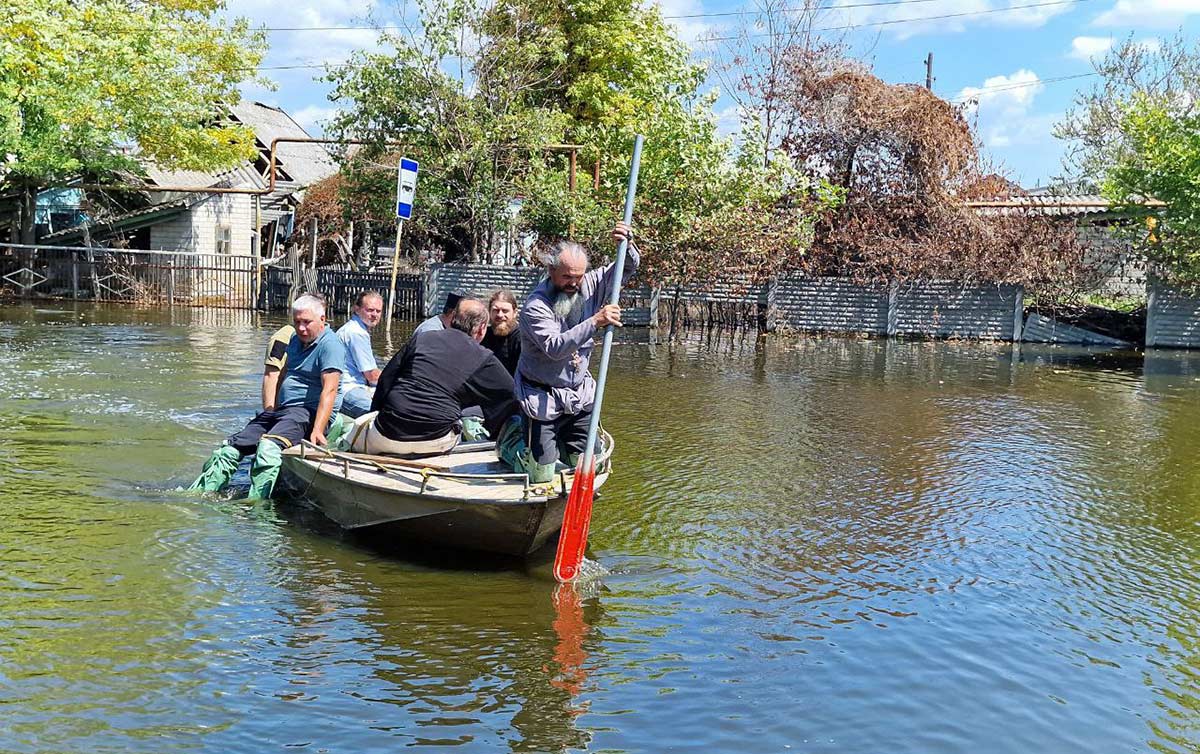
[1002, 108]
[1156, 13]
[688, 29]
[314, 117]
[326, 45]
[1012, 92]
[1086, 48]
[729, 120]
[1150, 44]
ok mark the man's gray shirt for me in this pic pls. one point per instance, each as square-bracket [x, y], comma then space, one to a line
[552, 375]
[431, 324]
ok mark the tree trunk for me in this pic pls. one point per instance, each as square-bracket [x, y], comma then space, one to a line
[28, 205]
[366, 249]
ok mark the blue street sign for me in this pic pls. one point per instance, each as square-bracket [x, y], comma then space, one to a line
[406, 187]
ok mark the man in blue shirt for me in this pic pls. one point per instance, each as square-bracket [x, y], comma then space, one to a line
[361, 372]
[305, 404]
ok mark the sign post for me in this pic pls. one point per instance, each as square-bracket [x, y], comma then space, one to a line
[406, 189]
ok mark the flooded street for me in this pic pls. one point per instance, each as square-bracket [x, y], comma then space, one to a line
[814, 544]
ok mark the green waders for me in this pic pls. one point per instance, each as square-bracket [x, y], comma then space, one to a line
[513, 449]
[218, 470]
[264, 469]
[472, 429]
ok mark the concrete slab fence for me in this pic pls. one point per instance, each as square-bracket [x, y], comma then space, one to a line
[932, 309]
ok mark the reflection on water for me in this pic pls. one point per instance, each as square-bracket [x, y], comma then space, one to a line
[815, 544]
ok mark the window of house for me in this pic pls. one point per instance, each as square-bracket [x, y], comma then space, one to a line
[224, 239]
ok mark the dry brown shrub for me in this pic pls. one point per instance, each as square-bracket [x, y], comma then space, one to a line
[908, 161]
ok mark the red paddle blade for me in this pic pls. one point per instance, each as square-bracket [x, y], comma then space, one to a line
[572, 541]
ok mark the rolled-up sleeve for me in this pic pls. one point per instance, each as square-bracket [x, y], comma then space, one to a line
[543, 329]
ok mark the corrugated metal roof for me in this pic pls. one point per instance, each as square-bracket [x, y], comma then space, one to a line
[241, 176]
[305, 163]
[127, 221]
[1068, 205]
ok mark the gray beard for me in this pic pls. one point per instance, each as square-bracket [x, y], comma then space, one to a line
[569, 307]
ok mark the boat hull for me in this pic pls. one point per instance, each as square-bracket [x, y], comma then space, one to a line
[501, 517]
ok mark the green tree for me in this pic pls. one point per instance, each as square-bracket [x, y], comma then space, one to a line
[99, 87]
[478, 93]
[1133, 138]
[1161, 159]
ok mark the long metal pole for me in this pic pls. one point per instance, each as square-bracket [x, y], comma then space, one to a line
[257, 252]
[614, 297]
[395, 267]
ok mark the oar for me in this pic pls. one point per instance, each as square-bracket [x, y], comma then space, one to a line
[572, 540]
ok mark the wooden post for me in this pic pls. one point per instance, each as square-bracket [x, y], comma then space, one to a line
[350, 245]
[75, 275]
[312, 243]
[596, 174]
[571, 180]
[171, 283]
[391, 303]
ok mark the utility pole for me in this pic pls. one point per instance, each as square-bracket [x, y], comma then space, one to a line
[929, 71]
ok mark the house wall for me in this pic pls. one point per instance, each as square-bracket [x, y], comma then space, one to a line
[1117, 272]
[196, 229]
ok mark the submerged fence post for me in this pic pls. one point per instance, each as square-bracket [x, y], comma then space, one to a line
[771, 316]
[1018, 314]
[75, 275]
[893, 315]
[171, 282]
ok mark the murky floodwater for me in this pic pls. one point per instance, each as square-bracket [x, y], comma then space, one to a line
[812, 545]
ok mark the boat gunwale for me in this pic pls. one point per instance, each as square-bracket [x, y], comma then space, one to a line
[410, 469]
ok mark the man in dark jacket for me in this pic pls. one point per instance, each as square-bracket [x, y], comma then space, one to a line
[503, 338]
[424, 388]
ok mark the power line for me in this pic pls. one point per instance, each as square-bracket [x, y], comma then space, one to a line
[1019, 85]
[734, 38]
[849, 27]
[725, 14]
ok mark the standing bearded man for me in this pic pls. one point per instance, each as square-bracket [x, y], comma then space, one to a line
[555, 389]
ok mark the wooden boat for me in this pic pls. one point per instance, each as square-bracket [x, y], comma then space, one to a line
[464, 499]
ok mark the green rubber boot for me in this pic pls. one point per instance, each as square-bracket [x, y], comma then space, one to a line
[512, 450]
[539, 473]
[338, 428]
[264, 470]
[218, 470]
[473, 429]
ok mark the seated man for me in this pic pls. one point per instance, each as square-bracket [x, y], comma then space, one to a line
[306, 401]
[275, 364]
[440, 321]
[424, 388]
[361, 372]
[503, 338]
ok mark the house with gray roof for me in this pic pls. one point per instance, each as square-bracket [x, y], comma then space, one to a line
[1116, 269]
[222, 212]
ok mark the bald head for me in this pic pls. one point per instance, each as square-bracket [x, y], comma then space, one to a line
[471, 316]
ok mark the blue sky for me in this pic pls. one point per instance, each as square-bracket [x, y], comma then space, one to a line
[1004, 54]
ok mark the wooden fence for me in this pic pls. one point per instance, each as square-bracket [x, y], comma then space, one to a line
[341, 288]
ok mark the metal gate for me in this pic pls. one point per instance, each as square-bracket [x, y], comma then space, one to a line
[128, 275]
